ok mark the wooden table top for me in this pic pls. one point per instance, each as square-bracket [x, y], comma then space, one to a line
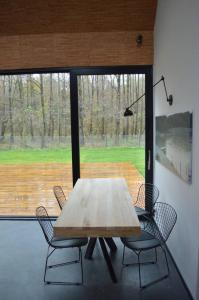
[98, 207]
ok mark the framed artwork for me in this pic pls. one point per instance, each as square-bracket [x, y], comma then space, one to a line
[174, 144]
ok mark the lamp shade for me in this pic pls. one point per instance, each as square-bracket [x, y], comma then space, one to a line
[128, 112]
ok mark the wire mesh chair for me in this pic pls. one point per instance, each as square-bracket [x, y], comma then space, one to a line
[147, 196]
[59, 195]
[155, 235]
[58, 243]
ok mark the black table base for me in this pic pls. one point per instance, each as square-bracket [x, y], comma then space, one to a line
[110, 242]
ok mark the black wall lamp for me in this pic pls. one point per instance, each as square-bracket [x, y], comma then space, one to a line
[139, 40]
[169, 98]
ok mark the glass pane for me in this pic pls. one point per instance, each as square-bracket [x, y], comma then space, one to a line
[35, 142]
[112, 145]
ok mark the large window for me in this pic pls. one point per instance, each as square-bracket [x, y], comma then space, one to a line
[112, 145]
[35, 141]
[58, 126]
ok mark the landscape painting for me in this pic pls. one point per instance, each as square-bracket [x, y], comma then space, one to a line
[174, 144]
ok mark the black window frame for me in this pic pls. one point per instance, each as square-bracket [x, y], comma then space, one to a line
[148, 72]
[74, 72]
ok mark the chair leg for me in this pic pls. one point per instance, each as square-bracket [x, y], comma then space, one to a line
[139, 263]
[139, 269]
[123, 256]
[46, 263]
[156, 256]
[81, 264]
[162, 277]
[167, 264]
[65, 263]
[136, 263]
[62, 264]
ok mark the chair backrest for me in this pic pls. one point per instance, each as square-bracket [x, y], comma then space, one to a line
[59, 195]
[45, 223]
[147, 196]
[164, 220]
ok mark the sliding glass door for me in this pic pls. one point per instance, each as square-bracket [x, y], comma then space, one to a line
[60, 125]
[35, 141]
[111, 145]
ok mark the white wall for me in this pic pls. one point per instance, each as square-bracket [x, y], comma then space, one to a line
[177, 58]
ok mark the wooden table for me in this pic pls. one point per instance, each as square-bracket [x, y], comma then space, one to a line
[98, 208]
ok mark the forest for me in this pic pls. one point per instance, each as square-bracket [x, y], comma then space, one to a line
[35, 110]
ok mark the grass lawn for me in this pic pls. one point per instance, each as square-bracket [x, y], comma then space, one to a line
[115, 154]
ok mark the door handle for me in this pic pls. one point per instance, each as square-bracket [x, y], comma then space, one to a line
[149, 160]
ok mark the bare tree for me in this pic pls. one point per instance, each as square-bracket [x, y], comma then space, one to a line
[117, 125]
[51, 120]
[22, 106]
[59, 107]
[81, 111]
[3, 117]
[10, 82]
[28, 104]
[43, 132]
[29, 86]
[103, 107]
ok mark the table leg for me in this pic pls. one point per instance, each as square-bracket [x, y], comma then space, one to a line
[110, 242]
[90, 248]
[108, 260]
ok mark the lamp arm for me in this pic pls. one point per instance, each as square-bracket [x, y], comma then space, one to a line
[136, 100]
[165, 88]
[168, 98]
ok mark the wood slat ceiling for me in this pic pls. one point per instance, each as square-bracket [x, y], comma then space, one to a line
[38, 16]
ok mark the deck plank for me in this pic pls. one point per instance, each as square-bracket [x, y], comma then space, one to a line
[26, 186]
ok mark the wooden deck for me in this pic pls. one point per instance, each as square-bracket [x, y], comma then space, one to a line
[26, 186]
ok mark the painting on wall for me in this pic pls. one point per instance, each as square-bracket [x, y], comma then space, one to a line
[174, 144]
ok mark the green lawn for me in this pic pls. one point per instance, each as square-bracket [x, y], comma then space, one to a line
[114, 154]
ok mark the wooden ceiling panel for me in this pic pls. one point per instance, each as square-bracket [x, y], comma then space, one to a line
[75, 50]
[70, 16]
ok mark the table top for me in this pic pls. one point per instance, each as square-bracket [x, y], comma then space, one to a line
[100, 207]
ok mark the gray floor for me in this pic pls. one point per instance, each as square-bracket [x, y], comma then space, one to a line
[22, 256]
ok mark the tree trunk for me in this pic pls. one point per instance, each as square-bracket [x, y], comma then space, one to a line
[103, 107]
[142, 114]
[64, 104]
[43, 133]
[124, 103]
[91, 107]
[31, 106]
[132, 98]
[59, 107]
[117, 132]
[97, 98]
[10, 109]
[127, 102]
[50, 126]
[4, 119]
[81, 111]
[112, 120]
[22, 106]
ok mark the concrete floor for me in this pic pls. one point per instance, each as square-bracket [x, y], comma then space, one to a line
[22, 257]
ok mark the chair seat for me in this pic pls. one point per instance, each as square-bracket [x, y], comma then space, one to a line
[141, 212]
[142, 242]
[68, 243]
